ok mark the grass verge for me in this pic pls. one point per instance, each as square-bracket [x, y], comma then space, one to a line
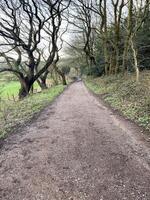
[9, 90]
[125, 95]
[15, 114]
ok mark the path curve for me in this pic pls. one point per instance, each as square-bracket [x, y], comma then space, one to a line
[76, 150]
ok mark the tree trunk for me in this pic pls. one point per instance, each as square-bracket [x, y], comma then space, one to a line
[22, 92]
[106, 55]
[42, 83]
[106, 58]
[61, 74]
[64, 82]
[117, 59]
[125, 52]
[42, 80]
[54, 76]
[135, 61]
[25, 88]
[129, 32]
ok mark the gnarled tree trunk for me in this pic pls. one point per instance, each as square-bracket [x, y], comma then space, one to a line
[42, 80]
[64, 79]
[26, 85]
[42, 83]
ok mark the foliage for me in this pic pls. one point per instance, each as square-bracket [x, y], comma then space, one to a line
[95, 71]
[115, 37]
[143, 44]
[126, 95]
[29, 36]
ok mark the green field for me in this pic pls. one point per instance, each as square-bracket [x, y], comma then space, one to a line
[10, 89]
[7, 90]
[9, 86]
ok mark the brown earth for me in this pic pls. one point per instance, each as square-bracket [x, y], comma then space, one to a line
[77, 149]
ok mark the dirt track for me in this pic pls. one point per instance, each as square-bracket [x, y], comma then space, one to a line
[76, 150]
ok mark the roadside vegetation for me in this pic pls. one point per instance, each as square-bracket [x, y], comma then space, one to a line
[16, 113]
[126, 95]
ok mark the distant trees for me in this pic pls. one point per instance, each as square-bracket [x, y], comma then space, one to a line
[137, 13]
[142, 39]
[111, 32]
[27, 28]
[84, 20]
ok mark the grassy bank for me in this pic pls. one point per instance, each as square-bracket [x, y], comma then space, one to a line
[14, 114]
[125, 95]
[10, 90]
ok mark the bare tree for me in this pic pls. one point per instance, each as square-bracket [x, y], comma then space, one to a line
[24, 25]
[137, 13]
[118, 6]
[83, 19]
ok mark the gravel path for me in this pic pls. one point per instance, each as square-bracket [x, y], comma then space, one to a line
[77, 149]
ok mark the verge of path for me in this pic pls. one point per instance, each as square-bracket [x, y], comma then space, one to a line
[76, 150]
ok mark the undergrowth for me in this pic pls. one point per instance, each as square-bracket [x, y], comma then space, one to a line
[126, 95]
